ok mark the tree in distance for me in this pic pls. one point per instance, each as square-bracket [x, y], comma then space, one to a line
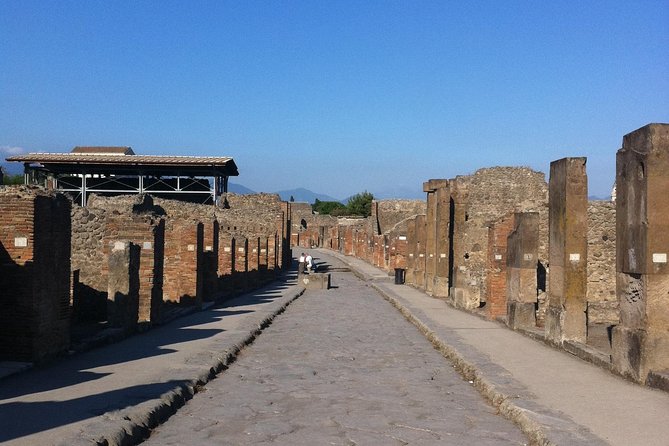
[359, 204]
[12, 179]
[328, 207]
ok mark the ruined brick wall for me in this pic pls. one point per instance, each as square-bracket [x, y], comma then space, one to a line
[308, 229]
[601, 292]
[34, 273]
[496, 292]
[260, 215]
[488, 195]
[95, 229]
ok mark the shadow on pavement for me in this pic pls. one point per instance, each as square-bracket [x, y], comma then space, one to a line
[18, 419]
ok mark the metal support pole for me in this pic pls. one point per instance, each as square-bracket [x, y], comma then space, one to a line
[83, 190]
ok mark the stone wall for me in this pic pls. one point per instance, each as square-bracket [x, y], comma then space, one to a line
[486, 196]
[387, 214]
[192, 243]
[601, 293]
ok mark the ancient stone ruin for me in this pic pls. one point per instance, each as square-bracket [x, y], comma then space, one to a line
[586, 276]
[590, 277]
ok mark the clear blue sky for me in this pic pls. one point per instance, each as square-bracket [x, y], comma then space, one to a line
[337, 96]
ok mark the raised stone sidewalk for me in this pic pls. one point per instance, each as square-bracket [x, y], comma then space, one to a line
[113, 394]
[555, 397]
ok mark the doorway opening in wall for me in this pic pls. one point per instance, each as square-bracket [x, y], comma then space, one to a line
[451, 255]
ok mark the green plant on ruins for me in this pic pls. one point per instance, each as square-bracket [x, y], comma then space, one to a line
[359, 204]
[12, 179]
[328, 207]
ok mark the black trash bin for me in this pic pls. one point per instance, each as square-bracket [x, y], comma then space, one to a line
[399, 276]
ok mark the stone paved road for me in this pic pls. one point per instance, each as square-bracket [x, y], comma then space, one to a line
[341, 367]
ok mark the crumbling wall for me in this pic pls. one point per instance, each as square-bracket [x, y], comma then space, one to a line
[388, 213]
[490, 194]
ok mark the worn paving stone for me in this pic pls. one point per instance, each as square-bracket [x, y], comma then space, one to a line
[341, 367]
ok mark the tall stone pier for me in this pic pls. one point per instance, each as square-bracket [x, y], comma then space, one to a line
[568, 251]
[641, 341]
[437, 241]
[123, 285]
[411, 252]
[521, 269]
[419, 274]
[496, 295]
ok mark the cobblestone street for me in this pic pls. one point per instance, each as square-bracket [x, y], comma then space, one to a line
[343, 367]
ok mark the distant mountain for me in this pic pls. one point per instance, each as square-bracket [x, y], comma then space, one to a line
[239, 189]
[302, 194]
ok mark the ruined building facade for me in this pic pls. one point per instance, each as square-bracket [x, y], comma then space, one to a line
[586, 276]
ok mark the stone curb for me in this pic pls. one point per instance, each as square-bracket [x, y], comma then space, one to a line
[502, 402]
[132, 425]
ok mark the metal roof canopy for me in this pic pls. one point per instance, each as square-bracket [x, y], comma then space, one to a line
[59, 163]
[89, 162]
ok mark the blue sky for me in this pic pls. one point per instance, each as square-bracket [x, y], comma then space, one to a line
[337, 96]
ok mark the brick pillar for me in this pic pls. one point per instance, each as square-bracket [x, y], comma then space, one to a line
[184, 261]
[210, 260]
[419, 275]
[430, 236]
[35, 250]
[263, 255]
[226, 262]
[521, 275]
[496, 298]
[272, 253]
[284, 247]
[568, 251]
[459, 283]
[147, 232]
[348, 241]
[442, 215]
[399, 252]
[241, 263]
[411, 248]
[123, 285]
[641, 341]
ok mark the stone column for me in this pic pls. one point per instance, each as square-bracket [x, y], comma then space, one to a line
[411, 248]
[521, 262]
[460, 279]
[430, 237]
[641, 341]
[419, 271]
[443, 198]
[123, 285]
[496, 297]
[436, 251]
[240, 276]
[568, 251]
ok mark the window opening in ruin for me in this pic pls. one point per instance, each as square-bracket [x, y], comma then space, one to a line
[303, 223]
[605, 237]
[466, 256]
[466, 217]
